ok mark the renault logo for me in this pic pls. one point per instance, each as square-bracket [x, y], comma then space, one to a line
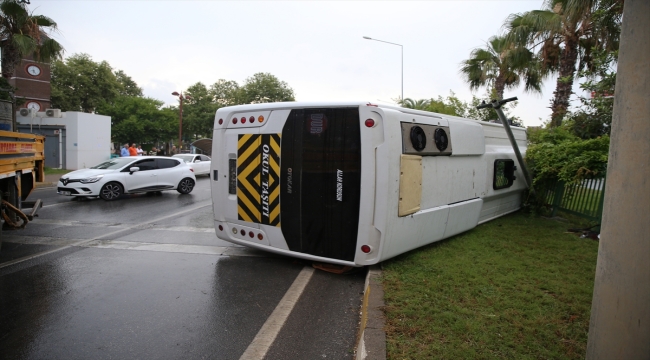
[64, 181]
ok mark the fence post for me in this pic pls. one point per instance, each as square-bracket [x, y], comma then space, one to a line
[601, 201]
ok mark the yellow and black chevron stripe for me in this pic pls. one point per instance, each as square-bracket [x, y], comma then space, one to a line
[258, 178]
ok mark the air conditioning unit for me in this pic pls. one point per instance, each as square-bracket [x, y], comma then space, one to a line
[24, 112]
[56, 113]
[27, 112]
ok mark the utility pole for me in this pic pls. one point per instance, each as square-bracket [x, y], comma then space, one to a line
[619, 327]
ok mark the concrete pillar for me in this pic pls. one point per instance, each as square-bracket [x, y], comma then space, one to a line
[620, 311]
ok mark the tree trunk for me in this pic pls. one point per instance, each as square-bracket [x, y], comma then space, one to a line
[499, 86]
[563, 89]
[8, 61]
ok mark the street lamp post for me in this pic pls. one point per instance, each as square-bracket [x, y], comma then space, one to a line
[181, 97]
[402, 48]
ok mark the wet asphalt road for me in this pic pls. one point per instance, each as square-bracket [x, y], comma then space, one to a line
[145, 277]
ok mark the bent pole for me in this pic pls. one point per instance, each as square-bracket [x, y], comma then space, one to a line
[496, 105]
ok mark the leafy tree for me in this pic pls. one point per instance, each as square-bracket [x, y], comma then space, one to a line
[501, 65]
[80, 84]
[264, 87]
[198, 111]
[22, 34]
[225, 93]
[128, 86]
[140, 120]
[452, 105]
[594, 117]
[421, 104]
[565, 32]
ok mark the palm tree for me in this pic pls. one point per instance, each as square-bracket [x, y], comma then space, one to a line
[501, 65]
[421, 104]
[22, 34]
[564, 33]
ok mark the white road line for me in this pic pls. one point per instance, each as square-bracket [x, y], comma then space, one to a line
[83, 242]
[157, 227]
[269, 331]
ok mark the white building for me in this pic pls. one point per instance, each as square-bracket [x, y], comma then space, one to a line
[73, 140]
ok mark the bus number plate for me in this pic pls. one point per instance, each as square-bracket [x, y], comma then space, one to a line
[232, 176]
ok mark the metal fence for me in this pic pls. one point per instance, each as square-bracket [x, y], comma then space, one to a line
[584, 199]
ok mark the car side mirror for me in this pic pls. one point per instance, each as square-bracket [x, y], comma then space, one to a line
[133, 169]
[197, 160]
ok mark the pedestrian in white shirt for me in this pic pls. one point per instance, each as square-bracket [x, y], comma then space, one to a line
[139, 150]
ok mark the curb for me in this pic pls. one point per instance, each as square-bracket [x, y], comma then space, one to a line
[44, 184]
[372, 339]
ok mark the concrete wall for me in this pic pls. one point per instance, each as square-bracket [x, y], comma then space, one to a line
[88, 136]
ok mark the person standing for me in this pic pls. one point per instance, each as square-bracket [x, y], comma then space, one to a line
[139, 150]
[125, 150]
[174, 151]
[132, 150]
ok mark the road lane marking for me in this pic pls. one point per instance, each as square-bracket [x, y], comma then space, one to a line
[82, 242]
[269, 331]
[157, 227]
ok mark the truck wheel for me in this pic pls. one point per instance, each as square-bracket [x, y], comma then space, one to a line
[111, 191]
[185, 186]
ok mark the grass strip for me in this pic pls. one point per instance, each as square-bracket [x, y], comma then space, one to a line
[515, 287]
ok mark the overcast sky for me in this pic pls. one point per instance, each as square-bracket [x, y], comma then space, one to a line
[316, 47]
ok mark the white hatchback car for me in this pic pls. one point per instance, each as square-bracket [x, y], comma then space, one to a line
[200, 163]
[128, 175]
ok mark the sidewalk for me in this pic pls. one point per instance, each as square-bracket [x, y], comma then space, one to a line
[50, 181]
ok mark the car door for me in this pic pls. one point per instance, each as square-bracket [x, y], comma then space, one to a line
[169, 172]
[145, 179]
[205, 164]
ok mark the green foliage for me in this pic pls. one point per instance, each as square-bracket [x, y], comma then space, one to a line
[81, 84]
[263, 88]
[452, 105]
[139, 119]
[594, 117]
[564, 34]
[128, 87]
[198, 112]
[501, 65]
[225, 93]
[6, 90]
[557, 154]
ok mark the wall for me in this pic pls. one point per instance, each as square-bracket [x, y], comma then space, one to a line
[88, 136]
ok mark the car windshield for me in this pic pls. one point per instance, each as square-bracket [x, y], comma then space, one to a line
[116, 163]
[186, 158]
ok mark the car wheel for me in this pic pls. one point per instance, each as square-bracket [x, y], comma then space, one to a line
[111, 191]
[185, 186]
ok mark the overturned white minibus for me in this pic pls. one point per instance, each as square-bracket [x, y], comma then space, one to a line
[355, 183]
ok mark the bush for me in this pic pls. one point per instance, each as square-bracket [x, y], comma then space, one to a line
[556, 154]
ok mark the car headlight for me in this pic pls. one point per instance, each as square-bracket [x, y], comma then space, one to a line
[91, 179]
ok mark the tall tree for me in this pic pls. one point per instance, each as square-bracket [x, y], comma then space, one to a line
[409, 103]
[140, 119]
[22, 34]
[225, 92]
[81, 84]
[198, 111]
[128, 86]
[264, 87]
[564, 33]
[501, 65]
